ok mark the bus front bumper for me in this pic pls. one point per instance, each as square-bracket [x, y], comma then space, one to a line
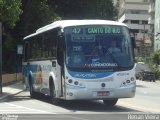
[100, 94]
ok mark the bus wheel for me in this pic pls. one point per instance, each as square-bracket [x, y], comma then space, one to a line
[110, 102]
[52, 93]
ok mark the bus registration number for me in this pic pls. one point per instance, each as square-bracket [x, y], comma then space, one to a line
[103, 93]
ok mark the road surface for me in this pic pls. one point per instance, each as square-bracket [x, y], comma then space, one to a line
[146, 101]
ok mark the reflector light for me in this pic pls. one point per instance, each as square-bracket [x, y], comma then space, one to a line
[76, 82]
[70, 80]
[128, 81]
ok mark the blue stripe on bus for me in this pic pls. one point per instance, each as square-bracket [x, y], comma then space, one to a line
[29, 71]
[89, 75]
[32, 68]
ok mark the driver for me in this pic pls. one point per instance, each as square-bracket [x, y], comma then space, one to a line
[113, 48]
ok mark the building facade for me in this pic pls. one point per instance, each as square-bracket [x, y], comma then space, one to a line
[151, 20]
[135, 14]
[157, 26]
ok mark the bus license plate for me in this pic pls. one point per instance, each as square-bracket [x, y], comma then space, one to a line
[103, 93]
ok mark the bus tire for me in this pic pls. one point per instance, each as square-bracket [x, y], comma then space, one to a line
[110, 102]
[31, 89]
[52, 90]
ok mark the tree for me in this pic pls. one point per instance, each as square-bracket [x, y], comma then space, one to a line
[84, 9]
[138, 59]
[37, 13]
[155, 57]
[10, 10]
[102, 9]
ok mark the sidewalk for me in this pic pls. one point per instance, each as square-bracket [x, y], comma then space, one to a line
[158, 82]
[12, 89]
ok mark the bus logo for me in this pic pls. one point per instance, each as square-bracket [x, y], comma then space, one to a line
[85, 75]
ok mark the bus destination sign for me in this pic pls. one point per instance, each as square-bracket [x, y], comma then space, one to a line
[102, 30]
[97, 30]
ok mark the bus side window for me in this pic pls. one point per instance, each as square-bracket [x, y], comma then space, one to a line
[33, 49]
[39, 46]
[54, 44]
[45, 46]
[49, 44]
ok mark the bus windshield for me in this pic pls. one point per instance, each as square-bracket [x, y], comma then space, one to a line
[99, 47]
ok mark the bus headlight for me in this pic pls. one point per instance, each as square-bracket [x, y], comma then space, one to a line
[76, 82]
[70, 81]
[128, 82]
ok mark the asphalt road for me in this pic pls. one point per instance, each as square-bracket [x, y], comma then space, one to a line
[145, 102]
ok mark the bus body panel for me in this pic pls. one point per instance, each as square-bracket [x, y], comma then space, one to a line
[90, 94]
[112, 84]
[40, 73]
[88, 86]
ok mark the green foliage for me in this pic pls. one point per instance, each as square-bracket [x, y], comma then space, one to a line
[105, 10]
[37, 13]
[155, 58]
[10, 10]
[22, 17]
[9, 43]
[156, 69]
[138, 59]
[84, 9]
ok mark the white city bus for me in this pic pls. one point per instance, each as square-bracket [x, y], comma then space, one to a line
[69, 60]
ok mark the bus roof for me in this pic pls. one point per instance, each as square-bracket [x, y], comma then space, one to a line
[66, 23]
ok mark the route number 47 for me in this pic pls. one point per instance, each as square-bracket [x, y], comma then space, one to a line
[76, 30]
